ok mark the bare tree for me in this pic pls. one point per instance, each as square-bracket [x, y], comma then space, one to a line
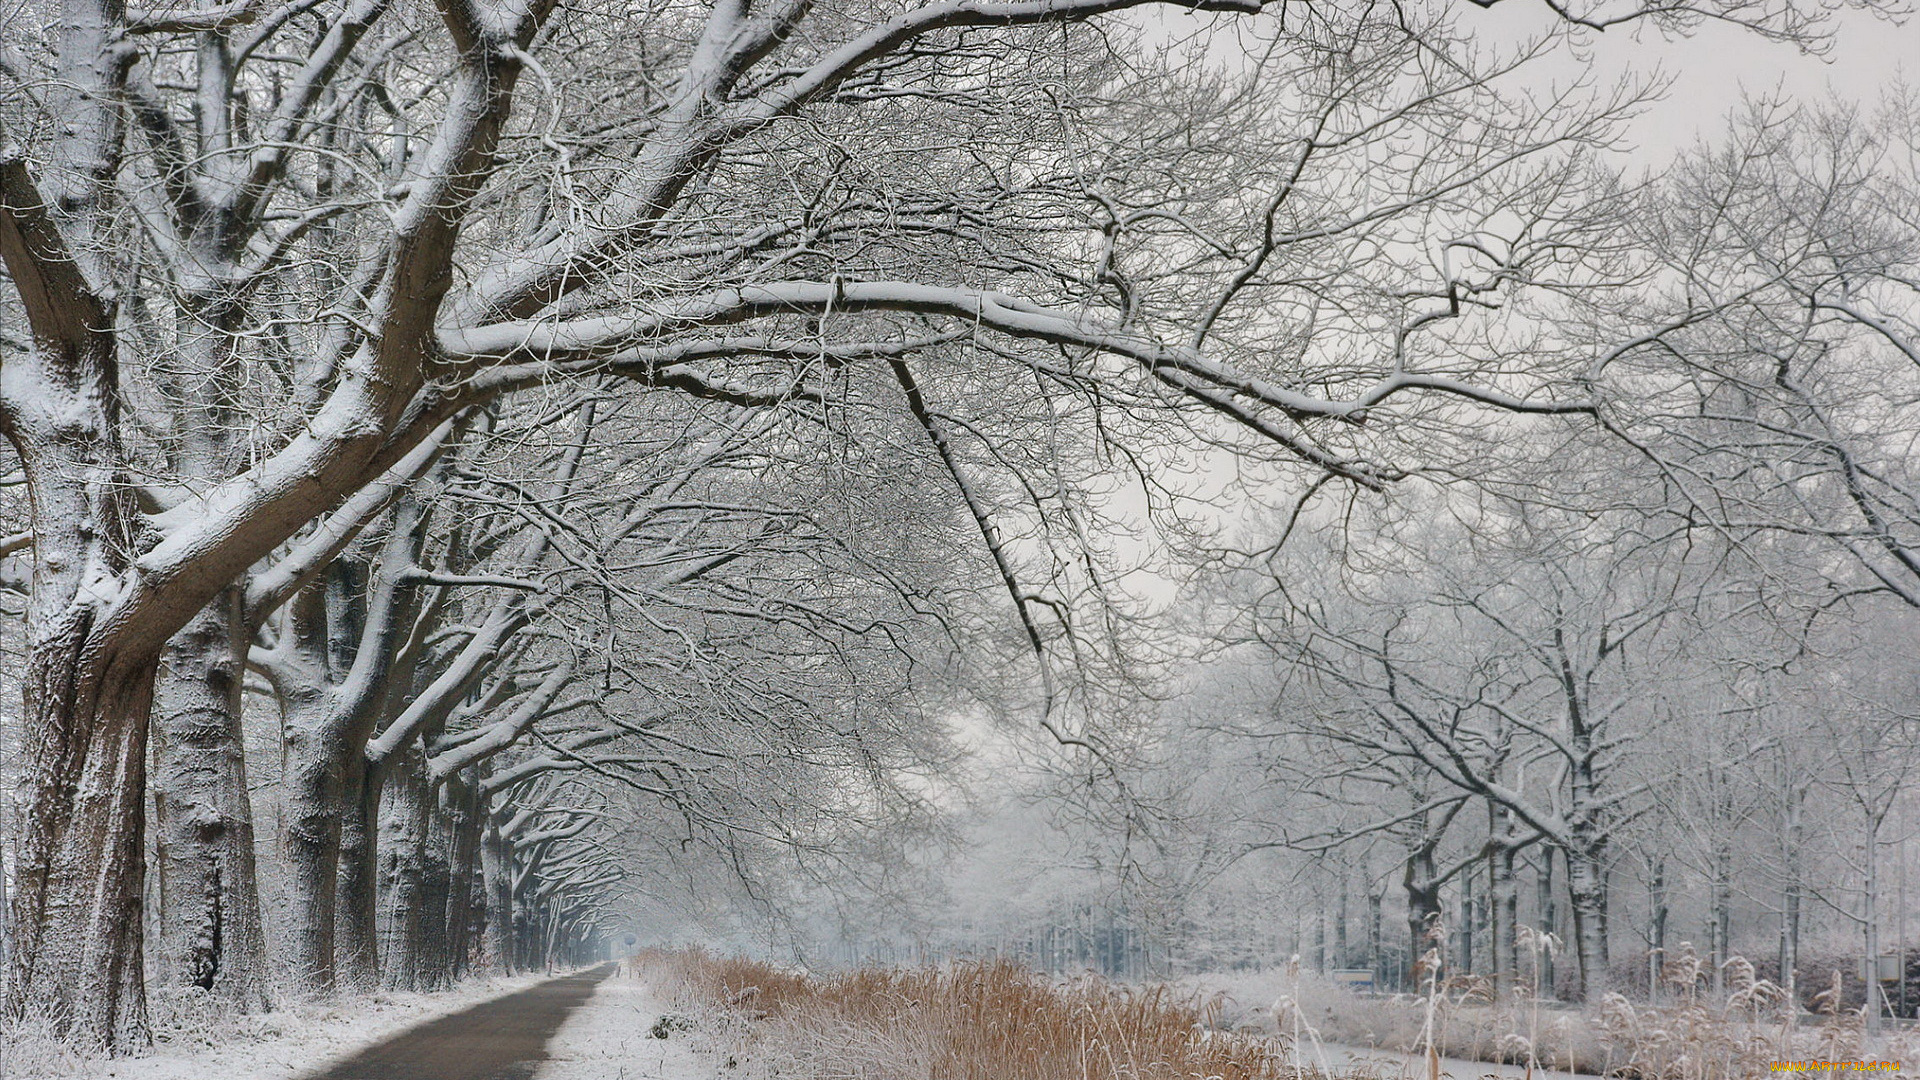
[1517, 681]
[1784, 414]
[270, 256]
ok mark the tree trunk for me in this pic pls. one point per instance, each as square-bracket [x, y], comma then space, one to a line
[1342, 957]
[403, 829]
[1466, 924]
[462, 806]
[1870, 925]
[1503, 894]
[1656, 930]
[496, 867]
[210, 933]
[343, 632]
[1545, 911]
[435, 947]
[1790, 930]
[1320, 931]
[310, 839]
[1423, 911]
[87, 690]
[356, 951]
[1790, 941]
[530, 947]
[78, 890]
[1720, 919]
[1374, 961]
[1587, 888]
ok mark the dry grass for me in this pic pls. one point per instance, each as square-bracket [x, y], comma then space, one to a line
[1696, 1038]
[1690, 1035]
[998, 1021]
[968, 1021]
[31, 1046]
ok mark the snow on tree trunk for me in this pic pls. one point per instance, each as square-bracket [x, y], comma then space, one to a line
[209, 917]
[77, 903]
[1870, 928]
[1657, 914]
[433, 952]
[333, 685]
[356, 953]
[461, 803]
[1544, 911]
[1374, 962]
[1720, 916]
[1790, 914]
[403, 837]
[1423, 909]
[311, 811]
[529, 944]
[1504, 896]
[80, 876]
[496, 870]
[1587, 888]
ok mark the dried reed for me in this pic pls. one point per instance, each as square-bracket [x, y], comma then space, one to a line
[990, 1020]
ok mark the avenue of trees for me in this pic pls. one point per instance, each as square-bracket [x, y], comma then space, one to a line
[478, 467]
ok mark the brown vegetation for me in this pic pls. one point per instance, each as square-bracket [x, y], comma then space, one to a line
[990, 1020]
[1689, 1034]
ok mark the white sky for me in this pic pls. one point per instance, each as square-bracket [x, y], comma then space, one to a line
[1712, 67]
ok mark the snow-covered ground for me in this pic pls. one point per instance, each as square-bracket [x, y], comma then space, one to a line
[609, 1038]
[286, 1043]
[1389, 1065]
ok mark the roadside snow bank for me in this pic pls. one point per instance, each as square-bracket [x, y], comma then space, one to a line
[193, 1041]
[612, 1037]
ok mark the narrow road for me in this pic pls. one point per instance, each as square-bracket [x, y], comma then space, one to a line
[502, 1039]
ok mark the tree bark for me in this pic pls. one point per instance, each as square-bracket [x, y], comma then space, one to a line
[403, 838]
[496, 867]
[356, 949]
[1656, 930]
[310, 838]
[1466, 919]
[1342, 956]
[1587, 888]
[1720, 918]
[1870, 929]
[461, 803]
[1423, 910]
[1374, 960]
[1545, 905]
[77, 903]
[79, 884]
[210, 932]
[1503, 894]
[434, 948]
[343, 636]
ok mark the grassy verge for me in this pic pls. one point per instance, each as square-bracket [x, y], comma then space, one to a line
[1689, 1035]
[967, 1021]
[999, 1021]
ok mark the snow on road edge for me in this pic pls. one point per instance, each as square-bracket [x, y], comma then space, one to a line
[609, 1038]
[289, 1042]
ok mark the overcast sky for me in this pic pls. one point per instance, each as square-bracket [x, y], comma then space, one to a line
[1712, 67]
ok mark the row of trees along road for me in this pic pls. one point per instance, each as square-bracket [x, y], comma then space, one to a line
[1484, 714]
[432, 385]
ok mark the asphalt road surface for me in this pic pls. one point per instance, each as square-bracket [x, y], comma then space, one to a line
[502, 1039]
